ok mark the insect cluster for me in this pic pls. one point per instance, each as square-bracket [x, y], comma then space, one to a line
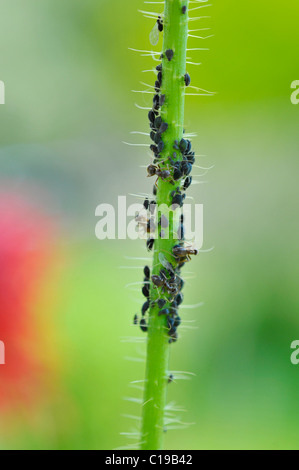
[172, 163]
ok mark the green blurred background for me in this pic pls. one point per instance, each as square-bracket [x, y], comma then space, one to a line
[68, 75]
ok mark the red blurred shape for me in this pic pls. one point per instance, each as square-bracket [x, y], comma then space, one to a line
[25, 253]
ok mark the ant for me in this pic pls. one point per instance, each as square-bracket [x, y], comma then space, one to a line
[154, 170]
[184, 252]
[165, 283]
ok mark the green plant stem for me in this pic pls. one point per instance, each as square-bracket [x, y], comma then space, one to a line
[175, 38]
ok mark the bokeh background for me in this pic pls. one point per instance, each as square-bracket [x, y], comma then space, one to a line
[65, 311]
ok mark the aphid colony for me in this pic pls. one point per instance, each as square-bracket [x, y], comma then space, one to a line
[175, 169]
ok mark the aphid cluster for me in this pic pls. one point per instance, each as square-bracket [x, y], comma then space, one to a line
[164, 289]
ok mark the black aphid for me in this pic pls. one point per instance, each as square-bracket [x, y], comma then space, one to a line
[161, 303]
[163, 127]
[187, 79]
[169, 54]
[187, 182]
[143, 325]
[179, 298]
[158, 138]
[158, 122]
[150, 243]
[177, 174]
[154, 149]
[162, 100]
[145, 290]
[183, 145]
[147, 271]
[160, 146]
[156, 100]
[160, 24]
[146, 204]
[151, 116]
[145, 307]
[164, 222]
[177, 200]
[186, 168]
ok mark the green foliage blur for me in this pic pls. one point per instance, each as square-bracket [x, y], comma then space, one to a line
[68, 74]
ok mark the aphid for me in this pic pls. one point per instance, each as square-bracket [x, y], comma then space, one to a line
[187, 79]
[176, 145]
[156, 101]
[158, 122]
[181, 232]
[179, 298]
[178, 200]
[186, 168]
[191, 158]
[159, 68]
[143, 325]
[187, 183]
[163, 127]
[150, 243]
[157, 86]
[151, 116]
[145, 307]
[154, 149]
[174, 338]
[152, 207]
[189, 145]
[161, 303]
[135, 319]
[160, 24]
[150, 226]
[170, 378]
[145, 290]
[147, 271]
[168, 311]
[154, 34]
[159, 77]
[160, 146]
[184, 252]
[177, 322]
[177, 174]
[155, 190]
[162, 100]
[152, 135]
[184, 9]
[183, 145]
[169, 54]
[164, 222]
[158, 138]
[146, 204]
[170, 322]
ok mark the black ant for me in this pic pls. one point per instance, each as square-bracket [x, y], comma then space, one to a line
[154, 170]
[165, 283]
[182, 252]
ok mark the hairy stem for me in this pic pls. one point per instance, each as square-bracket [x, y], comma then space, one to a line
[175, 35]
